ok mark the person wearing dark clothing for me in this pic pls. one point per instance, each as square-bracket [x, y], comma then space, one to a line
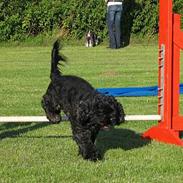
[114, 12]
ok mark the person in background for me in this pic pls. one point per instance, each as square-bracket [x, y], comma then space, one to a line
[114, 12]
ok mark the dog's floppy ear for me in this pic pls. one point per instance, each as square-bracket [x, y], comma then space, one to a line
[83, 111]
[102, 103]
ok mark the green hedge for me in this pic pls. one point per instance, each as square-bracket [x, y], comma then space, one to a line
[20, 19]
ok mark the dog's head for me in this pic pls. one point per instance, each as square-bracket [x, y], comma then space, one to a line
[109, 110]
[51, 108]
[91, 39]
[89, 34]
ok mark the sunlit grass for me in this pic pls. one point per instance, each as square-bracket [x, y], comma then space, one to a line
[46, 153]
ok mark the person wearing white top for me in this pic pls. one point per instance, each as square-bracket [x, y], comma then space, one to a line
[114, 12]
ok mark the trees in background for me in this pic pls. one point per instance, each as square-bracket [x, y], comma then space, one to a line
[20, 19]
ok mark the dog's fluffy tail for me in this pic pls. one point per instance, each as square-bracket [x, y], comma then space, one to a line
[55, 58]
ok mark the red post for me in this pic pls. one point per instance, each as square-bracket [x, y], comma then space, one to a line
[170, 42]
[177, 122]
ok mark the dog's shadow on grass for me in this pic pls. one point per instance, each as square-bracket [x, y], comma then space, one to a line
[14, 130]
[19, 129]
[125, 139]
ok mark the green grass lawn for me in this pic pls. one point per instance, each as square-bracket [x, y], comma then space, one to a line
[46, 153]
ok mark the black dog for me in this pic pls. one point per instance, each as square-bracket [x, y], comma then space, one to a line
[87, 110]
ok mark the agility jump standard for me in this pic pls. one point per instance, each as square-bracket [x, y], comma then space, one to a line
[170, 43]
[170, 123]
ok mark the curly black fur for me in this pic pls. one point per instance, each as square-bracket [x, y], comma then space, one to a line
[87, 110]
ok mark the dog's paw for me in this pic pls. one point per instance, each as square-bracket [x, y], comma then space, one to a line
[55, 119]
[95, 157]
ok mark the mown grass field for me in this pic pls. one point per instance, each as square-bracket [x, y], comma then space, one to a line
[31, 153]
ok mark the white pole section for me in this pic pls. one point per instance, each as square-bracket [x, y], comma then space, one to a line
[17, 119]
[142, 118]
[39, 119]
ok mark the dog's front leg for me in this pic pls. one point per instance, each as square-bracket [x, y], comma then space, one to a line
[94, 132]
[87, 148]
